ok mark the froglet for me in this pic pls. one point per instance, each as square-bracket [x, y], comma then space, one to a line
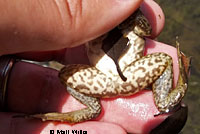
[119, 68]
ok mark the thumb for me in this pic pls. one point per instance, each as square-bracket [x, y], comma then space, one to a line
[56, 24]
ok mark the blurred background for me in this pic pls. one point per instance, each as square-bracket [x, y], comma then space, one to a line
[183, 20]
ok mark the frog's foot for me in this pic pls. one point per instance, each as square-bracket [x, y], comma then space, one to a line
[93, 110]
[165, 98]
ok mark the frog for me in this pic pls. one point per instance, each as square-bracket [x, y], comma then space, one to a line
[118, 68]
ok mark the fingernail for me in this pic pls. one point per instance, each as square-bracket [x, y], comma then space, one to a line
[174, 123]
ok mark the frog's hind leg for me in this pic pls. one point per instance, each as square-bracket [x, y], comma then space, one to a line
[93, 110]
[166, 98]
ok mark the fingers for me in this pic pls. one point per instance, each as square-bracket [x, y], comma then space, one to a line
[52, 25]
[49, 34]
[22, 126]
[77, 55]
[32, 88]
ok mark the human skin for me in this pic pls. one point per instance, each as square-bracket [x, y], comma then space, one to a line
[46, 30]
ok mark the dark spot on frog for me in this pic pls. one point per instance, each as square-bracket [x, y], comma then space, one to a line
[140, 68]
[82, 86]
[84, 74]
[82, 79]
[100, 84]
[96, 88]
[150, 64]
[104, 79]
[158, 60]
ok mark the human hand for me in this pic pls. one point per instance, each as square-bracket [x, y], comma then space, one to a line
[34, 89]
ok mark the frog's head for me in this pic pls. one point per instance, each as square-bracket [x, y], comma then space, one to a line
[142, 26]
[137, 23]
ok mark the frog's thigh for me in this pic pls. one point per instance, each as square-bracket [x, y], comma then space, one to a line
[143, 72]
[93, 110]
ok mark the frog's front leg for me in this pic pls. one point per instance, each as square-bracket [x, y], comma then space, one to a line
[166, 98]
[93, 110]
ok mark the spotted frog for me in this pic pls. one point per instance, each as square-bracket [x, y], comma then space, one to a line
[119, 68]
